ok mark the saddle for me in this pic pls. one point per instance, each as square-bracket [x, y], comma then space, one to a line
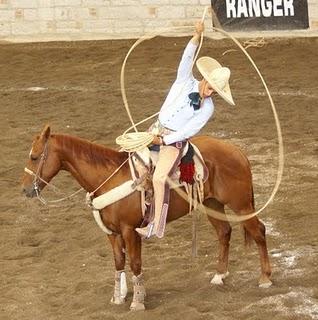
[191, 173]
[144, 162]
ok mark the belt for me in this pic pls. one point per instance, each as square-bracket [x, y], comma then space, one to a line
[158, 129]
[170, 129]
[165, 128]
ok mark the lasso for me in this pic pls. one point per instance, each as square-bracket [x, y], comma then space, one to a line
[138, 140]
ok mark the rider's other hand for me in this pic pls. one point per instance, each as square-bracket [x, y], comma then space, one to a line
[157, 140]
[199, 27]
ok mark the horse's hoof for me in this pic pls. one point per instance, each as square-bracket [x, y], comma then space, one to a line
[117, 300]
[218, 278]
[137, 306]
[264, 282]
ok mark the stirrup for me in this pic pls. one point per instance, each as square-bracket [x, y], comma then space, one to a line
[146, 232]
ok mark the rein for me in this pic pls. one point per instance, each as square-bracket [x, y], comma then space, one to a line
[30, 172]
[114, 172]
[37, 178]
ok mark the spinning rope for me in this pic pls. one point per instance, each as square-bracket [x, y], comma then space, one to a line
[135, 141]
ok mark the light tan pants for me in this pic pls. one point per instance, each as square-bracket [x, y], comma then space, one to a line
[169, 157]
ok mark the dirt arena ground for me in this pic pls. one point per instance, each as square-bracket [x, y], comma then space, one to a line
[55, 262]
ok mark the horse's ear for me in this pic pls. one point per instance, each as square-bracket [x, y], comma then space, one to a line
[45, 134]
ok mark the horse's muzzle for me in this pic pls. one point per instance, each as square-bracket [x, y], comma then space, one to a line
[29, 191]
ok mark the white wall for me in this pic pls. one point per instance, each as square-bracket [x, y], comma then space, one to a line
[313, 14]
[32, 20]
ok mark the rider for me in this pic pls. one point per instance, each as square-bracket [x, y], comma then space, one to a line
[186, 110]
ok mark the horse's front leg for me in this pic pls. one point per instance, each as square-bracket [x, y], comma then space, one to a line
[133, 245]
[120, 289]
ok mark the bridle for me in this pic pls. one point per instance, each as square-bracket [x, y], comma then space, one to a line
[38, 173]
[38, 178]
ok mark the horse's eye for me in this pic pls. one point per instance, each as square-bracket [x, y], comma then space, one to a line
[33, 158]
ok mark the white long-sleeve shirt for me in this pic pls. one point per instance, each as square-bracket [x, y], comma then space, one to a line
[176, 112]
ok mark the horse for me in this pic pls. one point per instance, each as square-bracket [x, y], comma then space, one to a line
[229, 183]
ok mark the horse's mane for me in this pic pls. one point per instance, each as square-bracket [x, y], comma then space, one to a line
[93, 152]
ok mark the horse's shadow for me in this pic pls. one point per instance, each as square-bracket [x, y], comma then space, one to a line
[157, 297]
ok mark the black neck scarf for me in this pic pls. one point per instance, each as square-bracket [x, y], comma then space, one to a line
[195, 100]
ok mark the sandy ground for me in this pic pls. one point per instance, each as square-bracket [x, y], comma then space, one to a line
[56, 264]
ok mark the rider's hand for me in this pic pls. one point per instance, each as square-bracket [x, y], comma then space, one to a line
[157, 140]
[199, 27]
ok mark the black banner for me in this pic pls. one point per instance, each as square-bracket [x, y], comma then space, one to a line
[241, 15]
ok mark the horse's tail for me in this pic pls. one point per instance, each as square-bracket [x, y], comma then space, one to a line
[247, 236]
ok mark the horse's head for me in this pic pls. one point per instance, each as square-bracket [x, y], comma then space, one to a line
[42, 166]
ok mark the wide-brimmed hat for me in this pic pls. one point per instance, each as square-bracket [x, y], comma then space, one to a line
[217, 76]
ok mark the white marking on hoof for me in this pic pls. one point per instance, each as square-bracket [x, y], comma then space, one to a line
[117, 300]
[218, 278]
[137, 306]
[266, 284]
[123, 286]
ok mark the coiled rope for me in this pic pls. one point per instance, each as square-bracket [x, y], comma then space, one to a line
[143, 139]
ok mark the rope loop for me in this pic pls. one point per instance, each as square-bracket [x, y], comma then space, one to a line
[142, 138]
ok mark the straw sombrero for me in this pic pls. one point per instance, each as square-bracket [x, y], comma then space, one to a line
[217, 76]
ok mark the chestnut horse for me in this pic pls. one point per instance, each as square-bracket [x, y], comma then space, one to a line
[229, 183]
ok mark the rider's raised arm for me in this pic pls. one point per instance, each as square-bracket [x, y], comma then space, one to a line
[185, 65]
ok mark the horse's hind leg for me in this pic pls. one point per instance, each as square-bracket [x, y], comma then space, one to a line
[133, 245]
[255, 229]
[120, 289]
[223, 230]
